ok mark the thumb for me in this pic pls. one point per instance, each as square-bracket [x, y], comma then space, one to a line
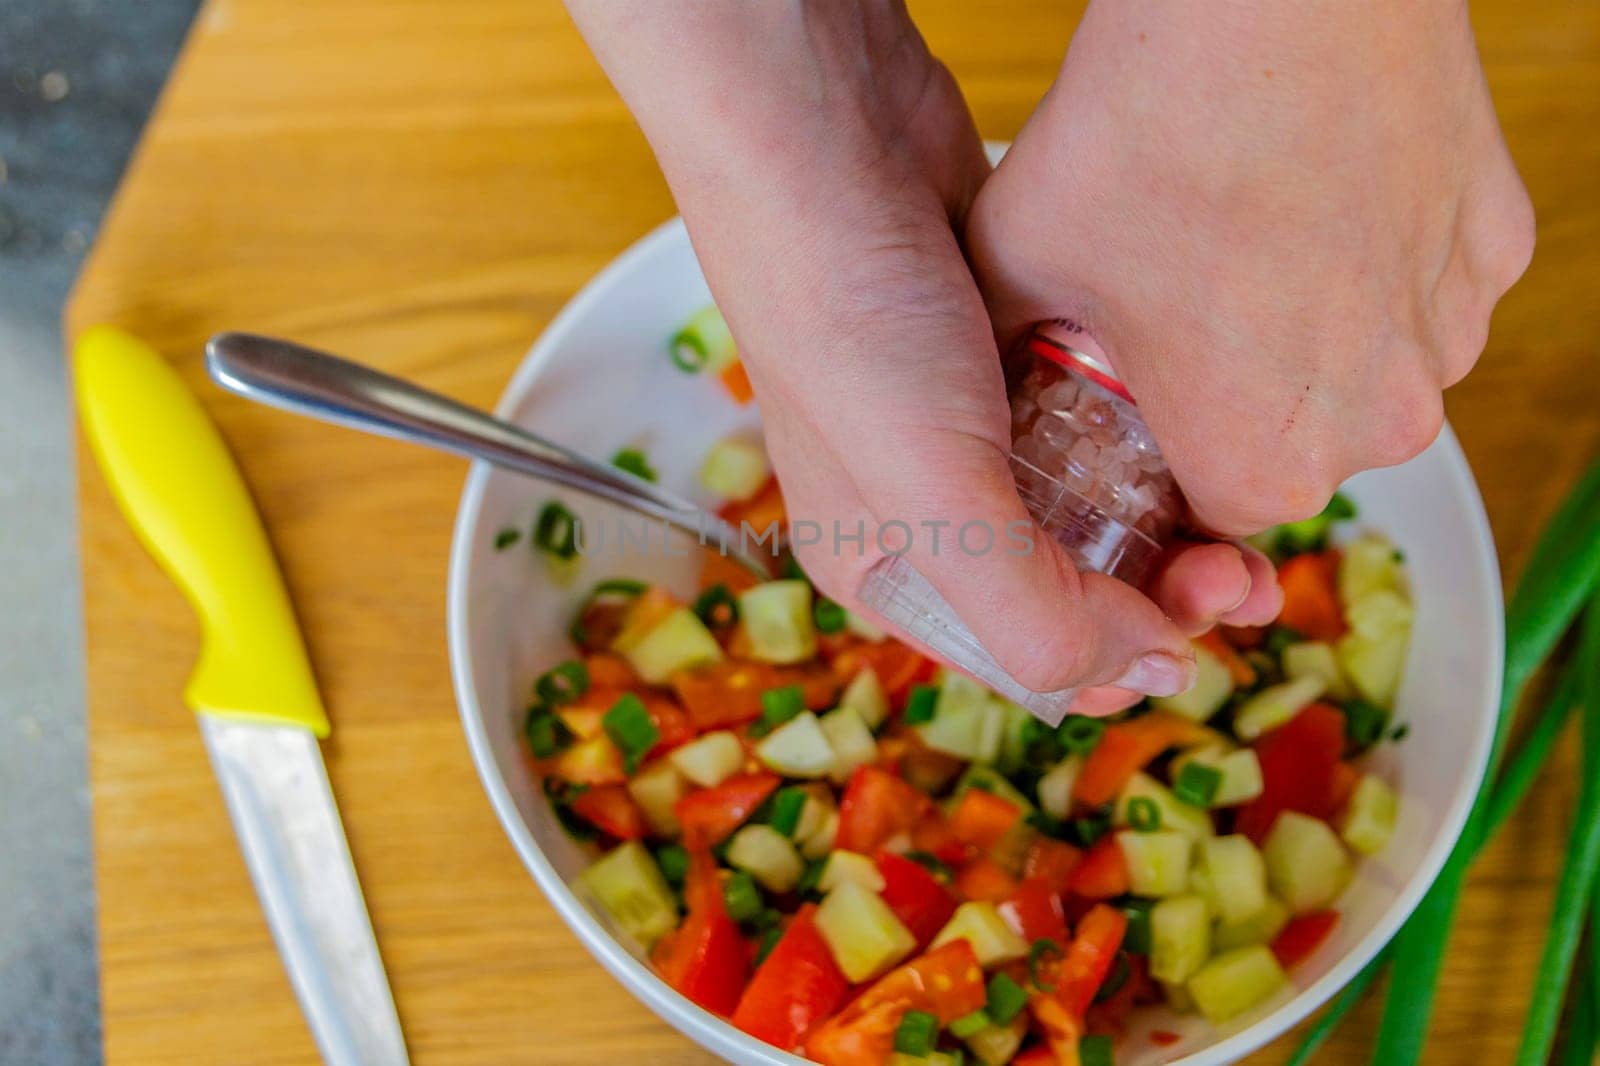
[971, 543]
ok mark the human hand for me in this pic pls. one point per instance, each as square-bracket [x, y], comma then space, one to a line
[1286, 223]
[824, 176]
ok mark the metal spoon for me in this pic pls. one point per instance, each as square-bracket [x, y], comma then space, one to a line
[283, 374]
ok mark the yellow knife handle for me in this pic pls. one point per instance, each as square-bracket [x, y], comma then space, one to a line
[178, 486]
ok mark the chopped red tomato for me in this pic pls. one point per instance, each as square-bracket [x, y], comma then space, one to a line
[705, 957]
[609, 671]
[876, 805]
[1079, 975]
[1075, 978]
[1052, 860]
[1303, 936]
[985, 879]
[1034, 912]
[737, 382]
[670, 721]
[983, 819]
[946, 982]
[915, 896]
[611, 810]
[595, 761]
[1311, 596]
[1125, 749]
[795, 988]
[1164, 1037]
[1243, 674]
[896, 665]
[1103, 872]
[1341, 783]
[932, 834]
[760, 511]
[1040, 1055]
[729, 692]
[1299, 768]
[710, 814]
[1060, 1028]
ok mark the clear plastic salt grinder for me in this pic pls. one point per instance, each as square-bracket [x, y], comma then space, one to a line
[1089, 472]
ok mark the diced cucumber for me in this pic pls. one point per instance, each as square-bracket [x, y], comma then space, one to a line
[1234, 981]
[1306, 865]
[1014, 733]
[819, 803]
[1055, 787]
[1375, 665]
[979, 923]
[1175, 814]
[1370, 816]
[798, 748]
[1180, 937]
[1274, 705]
[817, 844]
[767, 855]
[680, 640]
[1213, 684]
[710, 759]
[861, 932]
[852, 741]
[1367, 564]
[1315, 658]
[776, 616]
[704, 344]
[735, 469]
[628, 884]
[990, 780]
[1258, 928]
[656, 789]
[1158, 862]
[865, 694]
[854, 623]
[1379, 614]
[1230, 874]
[966, 722]
[996, 1045]
[1240, 769]
[853, 867]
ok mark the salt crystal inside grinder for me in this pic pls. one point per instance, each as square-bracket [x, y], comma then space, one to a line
[1089, 472]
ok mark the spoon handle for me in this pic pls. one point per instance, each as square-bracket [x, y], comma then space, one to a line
[290, 376]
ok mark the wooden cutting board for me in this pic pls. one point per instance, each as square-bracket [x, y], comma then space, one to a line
[422, 184]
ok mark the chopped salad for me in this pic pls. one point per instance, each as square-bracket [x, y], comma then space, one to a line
[855, 854]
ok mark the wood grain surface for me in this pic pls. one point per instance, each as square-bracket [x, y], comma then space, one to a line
[421, 184]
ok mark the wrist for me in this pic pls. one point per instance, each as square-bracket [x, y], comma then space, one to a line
[728, 90]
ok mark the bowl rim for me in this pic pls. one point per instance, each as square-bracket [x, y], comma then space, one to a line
[717, 1034]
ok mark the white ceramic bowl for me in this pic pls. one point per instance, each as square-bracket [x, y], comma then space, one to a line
[600, 379]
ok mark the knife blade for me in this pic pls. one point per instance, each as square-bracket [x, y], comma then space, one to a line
[252, 688]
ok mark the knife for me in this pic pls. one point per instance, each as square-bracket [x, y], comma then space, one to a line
[259, 710]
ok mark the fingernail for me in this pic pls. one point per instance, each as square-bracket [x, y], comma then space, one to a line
[1238, 603]
[1158, 673]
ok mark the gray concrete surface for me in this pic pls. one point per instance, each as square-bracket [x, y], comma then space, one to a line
[77, 78]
